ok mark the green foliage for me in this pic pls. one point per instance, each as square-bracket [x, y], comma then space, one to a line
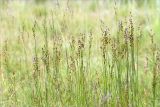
[40, 11]
[40, 1]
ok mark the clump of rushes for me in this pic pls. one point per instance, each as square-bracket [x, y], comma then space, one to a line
[45, 58]
[113, 78]
[105, 41]
[80, 74]
[127, 66]
[57, 82]
[158, 74]
[6, 58]
[119, 61]
[71, 76]
[68, 79]
[154, 69]
[133, 70]
[9, 74]
[36, 73]
[89, 49]
[6, 63]
[137, 41]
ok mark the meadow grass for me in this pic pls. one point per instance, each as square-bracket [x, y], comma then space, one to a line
[79, 54]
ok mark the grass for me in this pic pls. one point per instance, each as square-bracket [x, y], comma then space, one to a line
[67, 54]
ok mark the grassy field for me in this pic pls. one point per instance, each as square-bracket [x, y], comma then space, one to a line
[79, 54]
